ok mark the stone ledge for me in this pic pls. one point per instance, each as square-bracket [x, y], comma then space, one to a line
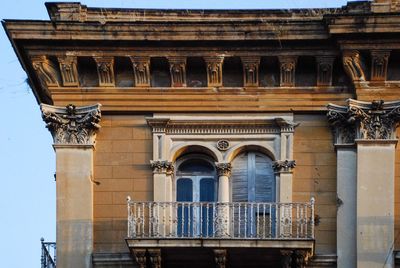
[100, 260]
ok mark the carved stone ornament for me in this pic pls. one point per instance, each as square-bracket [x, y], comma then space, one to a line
[69, 70]
[162, 167]
[140, 257]
[224, 169]
[141, 71]
[379, 63]
[324, 70]
[284, 165]
[177, 67]
[286, 258]
[301, 258]
[344, 130]
[288, 70]
[72, 125]
[223, 145]
[250, 71]
[45, 70]
[220, 256]
[353, 66]
[105, 71]
[214, 70]
[155, 258]
[374, 120]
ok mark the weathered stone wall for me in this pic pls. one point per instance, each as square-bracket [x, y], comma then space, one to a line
[397, 197]
[121, 168]
[315, 175]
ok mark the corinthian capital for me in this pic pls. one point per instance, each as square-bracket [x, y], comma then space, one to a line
[284, 165]
[374, 120]
[72, 125]
[224, 169]
[162, 166]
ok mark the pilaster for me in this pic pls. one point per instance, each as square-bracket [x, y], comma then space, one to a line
[324, 70]
[287, 70]
[74, 130]
[214, 70]
[141, 71]
[250, 71]
[177, 67]
[379, 63]
[105, 71]
[69, 70]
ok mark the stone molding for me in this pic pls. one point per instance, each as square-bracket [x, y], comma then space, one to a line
[162, 167]
[45, 70]
[284, 165]
[376, 120]
[186, 127]
[72, 125]
[224, 169]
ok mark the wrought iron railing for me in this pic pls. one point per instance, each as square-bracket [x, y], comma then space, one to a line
[48, 258]
[238, 220]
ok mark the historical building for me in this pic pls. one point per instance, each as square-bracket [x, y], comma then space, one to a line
[216, 138]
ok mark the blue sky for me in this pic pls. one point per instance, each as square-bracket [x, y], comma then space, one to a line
[27, 160]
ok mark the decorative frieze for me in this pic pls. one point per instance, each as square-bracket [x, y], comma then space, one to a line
[105, 71]
[214, 70]
[379, 63]
[287, 70]
[72, 125]
[69, 70]
[45, 70]
[162, 167]
[284, 165]
[374, 120]
[224, 169]
[324, 70]
[141, 71]
[353, 66]
[177, 67]
[250, 71]
[155, 258]
[220, 256]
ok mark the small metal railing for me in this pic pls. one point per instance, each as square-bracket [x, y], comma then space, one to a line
[237, 220]
[48, 259]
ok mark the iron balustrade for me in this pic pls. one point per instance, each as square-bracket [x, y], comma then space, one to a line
[48, 259]
[235, 220]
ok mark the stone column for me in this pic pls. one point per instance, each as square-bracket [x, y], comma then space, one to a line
[346, 219]
[73, 130]
[224, 172]
[375, 124]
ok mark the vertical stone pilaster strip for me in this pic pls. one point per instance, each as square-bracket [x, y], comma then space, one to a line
[141, 71]
[250, 71]
[324, 70]
[69, 70]
[177, 67]
[214, 70]
[379, 63]
[287, 70]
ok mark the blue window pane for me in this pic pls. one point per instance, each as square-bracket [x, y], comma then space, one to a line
[184, 190]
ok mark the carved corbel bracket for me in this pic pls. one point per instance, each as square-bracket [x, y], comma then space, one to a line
[140, 257]
[214, 70]
[220, 256]
[324, 70]
[353, 65]
[301, 258]
[72, 125]
[69, 70]
[162, 167]
[287, 70]
[141, 71]
[224, 169]
[45, 70]
[155, 258]
[286, 258]
[379, 63]
[177, 68]
[105, 71]
[284, 165]
[250, 71]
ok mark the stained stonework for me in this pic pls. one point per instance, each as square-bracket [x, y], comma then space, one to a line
[250, 71]
[287, 70]
[353, 65]
[324, 70]
[214, 71]
[105, 71]
[45, 70]
[379, 63]
[141, 70]
[69, 70]
[178, 71]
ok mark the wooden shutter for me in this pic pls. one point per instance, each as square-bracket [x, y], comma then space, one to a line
[264, 179]
[239, 178]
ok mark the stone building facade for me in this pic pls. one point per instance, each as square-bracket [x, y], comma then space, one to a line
[216, 138]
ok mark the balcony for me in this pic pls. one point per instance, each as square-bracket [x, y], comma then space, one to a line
[268, 228]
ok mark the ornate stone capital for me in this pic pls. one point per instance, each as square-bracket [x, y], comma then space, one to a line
[284, 165]
[69, 70]
[344, 130]
[105, 71]
[374, 120]
[288, 70]
[224, 169]
[141, 71]
[353, 66]
[379, 62]
[250, 71]
[45, 70]
[214, 70]
[177, 68]
[162, 167]
[324, 70]
[72, 125]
